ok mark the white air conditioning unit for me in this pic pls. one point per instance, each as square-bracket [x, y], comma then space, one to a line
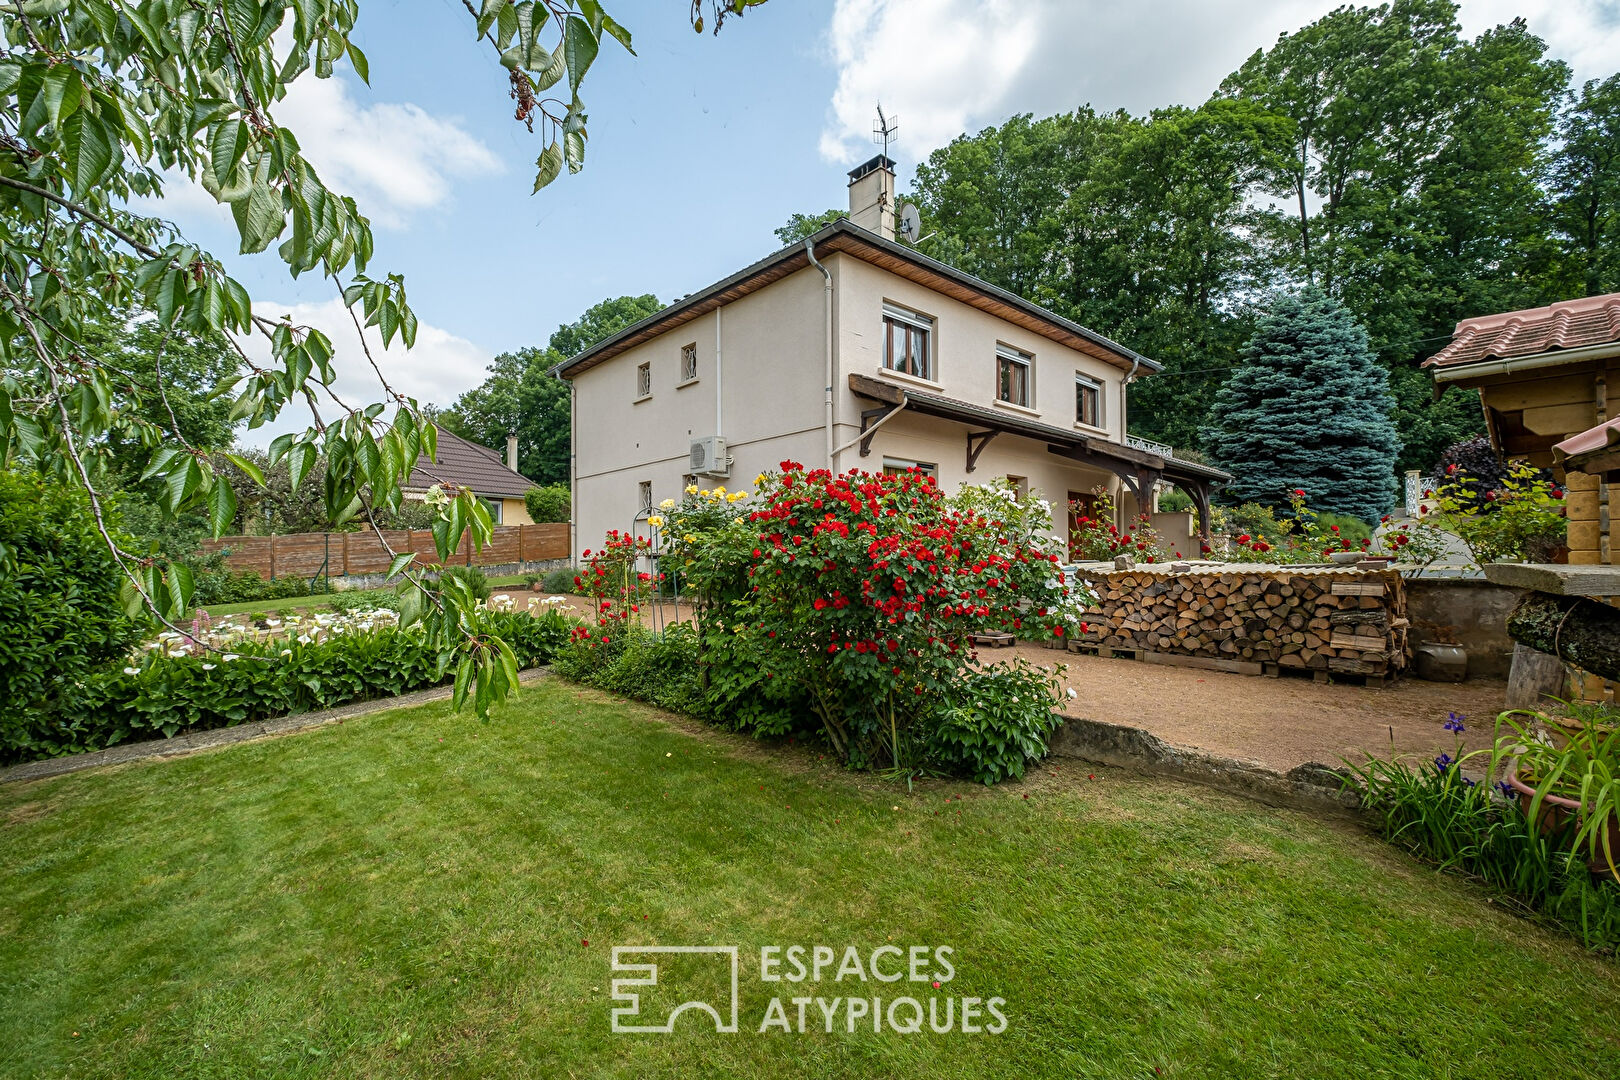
[709, 457]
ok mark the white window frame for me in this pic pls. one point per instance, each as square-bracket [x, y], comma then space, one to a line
[689, 364]
[926, 467]
[923, 325]
[644, 381]
[1016, 356]
[1081, 379]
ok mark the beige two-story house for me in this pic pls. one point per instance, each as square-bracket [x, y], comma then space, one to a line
[855, 351]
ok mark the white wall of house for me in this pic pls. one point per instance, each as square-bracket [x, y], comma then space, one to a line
[774, 380]
[772, 409]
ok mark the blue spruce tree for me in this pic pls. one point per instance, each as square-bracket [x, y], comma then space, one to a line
[1307, 407]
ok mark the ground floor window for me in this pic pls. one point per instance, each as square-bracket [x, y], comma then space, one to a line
[494, 508]
[896, 466]
[644, 495]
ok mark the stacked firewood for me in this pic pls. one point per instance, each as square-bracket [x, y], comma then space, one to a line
[1348, 621]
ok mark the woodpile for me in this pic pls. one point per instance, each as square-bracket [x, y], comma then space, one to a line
[1240, 618]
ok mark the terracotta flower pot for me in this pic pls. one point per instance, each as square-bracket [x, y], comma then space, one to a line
[1556, 812]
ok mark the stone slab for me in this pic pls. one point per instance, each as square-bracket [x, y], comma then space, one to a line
[1556, 578]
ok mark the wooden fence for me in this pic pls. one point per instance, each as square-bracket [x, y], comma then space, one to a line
[309, 555]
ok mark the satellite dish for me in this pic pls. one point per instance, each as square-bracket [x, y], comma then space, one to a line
[910, 223]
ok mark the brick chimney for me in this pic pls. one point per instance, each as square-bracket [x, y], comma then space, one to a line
[511, 450]
[871, 196]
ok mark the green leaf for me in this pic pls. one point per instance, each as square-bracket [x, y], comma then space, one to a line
[400, 562]
[489, 14]
[227, 142]
[87, 150]
[464, 678]
[181, 589]
[549, 165]
[362, 67]
[579, 46]
[246, 466]
[620, 34]
[299, 460]
[221, 507]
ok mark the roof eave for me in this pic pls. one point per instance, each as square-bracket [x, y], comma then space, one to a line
[844, 227]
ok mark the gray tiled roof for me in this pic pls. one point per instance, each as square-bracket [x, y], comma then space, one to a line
[465, 464]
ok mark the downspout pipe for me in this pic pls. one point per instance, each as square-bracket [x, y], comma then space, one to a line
[719, 379]
[827, 309]
[1124, 419]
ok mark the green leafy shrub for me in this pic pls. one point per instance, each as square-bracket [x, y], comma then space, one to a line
[215, 584]
[60, 617]
[560, 580]
[547, 505]
[1519, 520]
[663, 669]
[995, 722]
[474, 577]
[163, 694]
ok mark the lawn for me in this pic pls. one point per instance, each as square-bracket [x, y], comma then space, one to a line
[412, 893]
[319, 601]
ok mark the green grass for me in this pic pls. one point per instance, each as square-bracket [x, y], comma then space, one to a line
[408, 894]
[319, 601]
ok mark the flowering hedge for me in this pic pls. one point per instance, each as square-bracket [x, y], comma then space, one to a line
[189, 684]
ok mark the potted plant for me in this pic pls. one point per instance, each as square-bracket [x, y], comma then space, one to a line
[1566, 773]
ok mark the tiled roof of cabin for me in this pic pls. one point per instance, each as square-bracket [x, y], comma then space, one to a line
[1568, 324]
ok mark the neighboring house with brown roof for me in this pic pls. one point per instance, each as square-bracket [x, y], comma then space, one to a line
[854, 351]
[1544, 377]
[465, 464]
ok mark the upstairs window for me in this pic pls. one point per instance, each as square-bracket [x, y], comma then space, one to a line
[644, 494]
[1088, 402]
[644, 380]
[689, 362]
[1013, 370]
[907, 344]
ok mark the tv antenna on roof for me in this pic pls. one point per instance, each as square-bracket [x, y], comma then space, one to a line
[885, 129]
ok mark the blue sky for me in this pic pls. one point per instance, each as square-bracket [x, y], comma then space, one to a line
[701, 145]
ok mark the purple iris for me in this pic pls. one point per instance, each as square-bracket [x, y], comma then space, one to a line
[1443, 762]
[1505, 788]
[1454, 722]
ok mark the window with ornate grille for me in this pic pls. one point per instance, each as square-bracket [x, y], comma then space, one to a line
[689, 362]
[644, 381]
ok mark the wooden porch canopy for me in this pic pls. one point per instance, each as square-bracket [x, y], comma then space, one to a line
[1139, 469]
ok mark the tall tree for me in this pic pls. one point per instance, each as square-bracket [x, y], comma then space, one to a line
[103, 102]
[521, 396]
[800, 227]
[1307, 409]
[601, 320]
[1586, 188]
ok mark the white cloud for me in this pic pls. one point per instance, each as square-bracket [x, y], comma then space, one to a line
[439, 368]
[949, 66]
[395, 159]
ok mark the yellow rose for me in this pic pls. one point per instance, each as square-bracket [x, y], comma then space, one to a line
[668, 504]
[691, 489]
[655, 521]
[689, 538]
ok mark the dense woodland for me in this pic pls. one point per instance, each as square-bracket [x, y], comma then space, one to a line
[1414, 175]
